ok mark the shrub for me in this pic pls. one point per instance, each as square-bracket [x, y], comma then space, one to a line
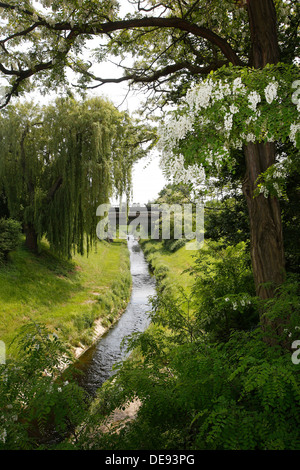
[241, 395]
[10, 232]
[177, 244]
[36, 404]
[224, 291]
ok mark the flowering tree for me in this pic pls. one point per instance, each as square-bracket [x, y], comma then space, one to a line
[246, 110]
[176, 44]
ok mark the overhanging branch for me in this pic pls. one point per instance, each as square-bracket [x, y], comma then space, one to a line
[164, 72]
[105, 28]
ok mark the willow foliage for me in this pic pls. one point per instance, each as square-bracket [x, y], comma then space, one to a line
[59, 162]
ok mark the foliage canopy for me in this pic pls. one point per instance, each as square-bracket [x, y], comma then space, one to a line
[59, 162]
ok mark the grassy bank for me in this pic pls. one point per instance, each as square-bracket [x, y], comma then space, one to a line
[169, 268]
[67, 295]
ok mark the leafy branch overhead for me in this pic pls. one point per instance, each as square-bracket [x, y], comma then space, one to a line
[41, 40]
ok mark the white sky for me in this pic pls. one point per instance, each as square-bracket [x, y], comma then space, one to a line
[148, 178]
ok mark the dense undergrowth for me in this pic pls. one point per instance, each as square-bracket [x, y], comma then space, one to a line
[205, 372]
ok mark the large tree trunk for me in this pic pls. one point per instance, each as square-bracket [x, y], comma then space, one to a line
[263, 30]
[267, 250]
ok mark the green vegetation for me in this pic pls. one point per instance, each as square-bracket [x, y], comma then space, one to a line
[35, 405]
[208, 375]
[10, 237]
[64, 295]
[169, 266]
[59, 162]
[218, 369]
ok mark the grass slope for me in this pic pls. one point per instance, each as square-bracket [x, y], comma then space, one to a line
[169, 267]
[67, 295]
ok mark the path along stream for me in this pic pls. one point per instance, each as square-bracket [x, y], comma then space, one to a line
[96, 364]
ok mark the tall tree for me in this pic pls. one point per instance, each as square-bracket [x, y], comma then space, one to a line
[174, 44]
[59, 162]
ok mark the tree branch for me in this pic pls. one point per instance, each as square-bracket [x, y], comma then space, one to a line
[168, 70]
[55, 188]
[77, 30]
[176, 23]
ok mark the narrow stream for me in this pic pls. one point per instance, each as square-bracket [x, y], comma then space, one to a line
[97, 363]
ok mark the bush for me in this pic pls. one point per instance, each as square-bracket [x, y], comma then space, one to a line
[10, 232]
[177, 244]
[224, 291]
[37, 406]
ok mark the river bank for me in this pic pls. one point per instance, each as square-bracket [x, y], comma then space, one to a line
[79, 299]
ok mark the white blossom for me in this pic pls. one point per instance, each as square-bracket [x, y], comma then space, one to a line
[238, 86]
[250, 137]
[238, 144]
[253, 98]
[199, 97]
[234, 109]
[228, 121]
[174, 168]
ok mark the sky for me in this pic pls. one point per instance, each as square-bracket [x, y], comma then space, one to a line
[148, 178]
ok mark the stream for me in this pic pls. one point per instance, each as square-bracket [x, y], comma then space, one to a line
[96, 364]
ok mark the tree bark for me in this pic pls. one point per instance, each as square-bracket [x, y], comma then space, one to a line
[263, 31]
[31, 240]
[267, 250]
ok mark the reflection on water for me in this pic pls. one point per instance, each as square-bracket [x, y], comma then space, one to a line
[96, 364]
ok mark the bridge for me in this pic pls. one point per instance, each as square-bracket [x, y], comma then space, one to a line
[143, 213]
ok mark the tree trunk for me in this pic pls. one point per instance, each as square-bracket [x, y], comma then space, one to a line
[267, 248]
[267, 251]
[263, 31]
[31, 241]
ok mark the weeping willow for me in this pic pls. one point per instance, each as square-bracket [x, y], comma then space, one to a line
[59, 162]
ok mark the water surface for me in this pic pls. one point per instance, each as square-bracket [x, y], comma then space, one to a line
[96, 365]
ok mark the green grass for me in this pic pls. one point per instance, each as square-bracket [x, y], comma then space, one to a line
[67, 295]
[170, 266]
